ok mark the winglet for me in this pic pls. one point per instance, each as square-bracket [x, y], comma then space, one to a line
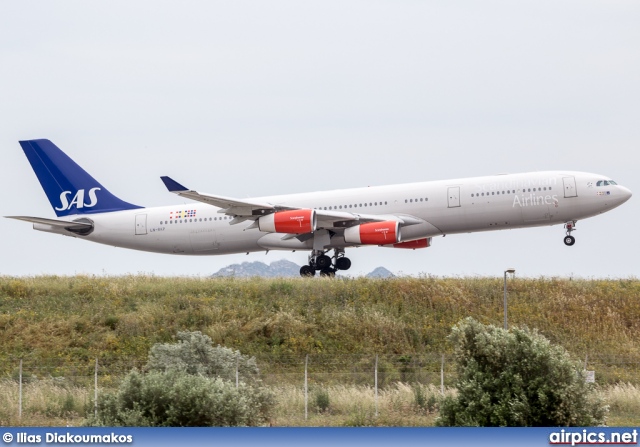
[172, 185]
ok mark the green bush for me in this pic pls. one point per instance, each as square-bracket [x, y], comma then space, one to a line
[516, 378]
[425, 401]
[322, 401]
[188, 384]
[179, 399]
[194, 354]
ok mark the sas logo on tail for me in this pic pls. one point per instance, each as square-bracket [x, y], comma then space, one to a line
[78, 199]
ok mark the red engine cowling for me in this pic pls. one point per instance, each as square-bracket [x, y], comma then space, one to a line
[374, 233]
[418, 243]
[294, 221]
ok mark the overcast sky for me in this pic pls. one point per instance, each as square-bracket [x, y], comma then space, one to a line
[244, 99]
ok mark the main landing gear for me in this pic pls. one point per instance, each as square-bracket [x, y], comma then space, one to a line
[328, 266]
[568, 239]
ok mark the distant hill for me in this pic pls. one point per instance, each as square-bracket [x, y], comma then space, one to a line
[380, 272]
[279, 269]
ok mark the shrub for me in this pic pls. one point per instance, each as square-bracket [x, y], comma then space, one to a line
[188, 384]
[516, 378]
[425, 401]
[194, 354]
[178, 399]
[321, 399]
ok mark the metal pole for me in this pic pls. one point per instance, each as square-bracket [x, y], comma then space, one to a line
[95, 391]
[512, 271]
[306, 394]
[20, 393]
[586, 359]
[376, 384]
[505, 301]
[442, 376]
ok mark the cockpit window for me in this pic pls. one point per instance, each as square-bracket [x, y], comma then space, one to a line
[611, 182]
[606, 183]
[599, 183]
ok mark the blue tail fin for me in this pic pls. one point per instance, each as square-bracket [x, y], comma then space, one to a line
[70, 189]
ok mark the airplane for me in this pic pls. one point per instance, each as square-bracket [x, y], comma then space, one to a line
[404, 216]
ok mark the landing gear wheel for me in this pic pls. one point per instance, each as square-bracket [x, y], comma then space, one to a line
[343, 263]
[328, 273]
[323, 262]
[307, 271]
[569, 240]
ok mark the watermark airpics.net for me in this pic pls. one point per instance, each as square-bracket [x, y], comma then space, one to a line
[592, 437]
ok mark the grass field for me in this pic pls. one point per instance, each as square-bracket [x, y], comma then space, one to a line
[60, 325]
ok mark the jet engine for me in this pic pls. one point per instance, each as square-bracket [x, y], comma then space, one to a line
[292, 221]
[374, 233]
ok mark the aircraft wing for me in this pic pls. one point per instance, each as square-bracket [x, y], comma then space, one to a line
[54, 222]
[229, 205]
[243, 210]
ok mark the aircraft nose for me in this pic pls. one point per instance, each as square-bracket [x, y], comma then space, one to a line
[625, 194]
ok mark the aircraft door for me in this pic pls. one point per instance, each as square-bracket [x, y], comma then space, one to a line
[141, 224]
[570, 187]
[203, 239]
[453, 196]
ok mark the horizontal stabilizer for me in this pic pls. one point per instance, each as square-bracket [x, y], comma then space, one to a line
[54, 223]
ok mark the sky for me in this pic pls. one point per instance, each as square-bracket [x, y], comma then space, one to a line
[253, 98]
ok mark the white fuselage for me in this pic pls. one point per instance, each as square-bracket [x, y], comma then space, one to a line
[447, 207]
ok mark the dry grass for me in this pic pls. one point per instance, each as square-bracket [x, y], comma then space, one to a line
[44, 403]
[624, 404]
[356, 406]
[51, 402]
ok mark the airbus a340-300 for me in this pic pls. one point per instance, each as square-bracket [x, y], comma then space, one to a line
[323, 223]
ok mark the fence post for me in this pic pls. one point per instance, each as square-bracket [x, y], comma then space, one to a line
[95, 390]
[376, 384]
[586, 359]
[442, 376]
[306, 397]
[20, 394]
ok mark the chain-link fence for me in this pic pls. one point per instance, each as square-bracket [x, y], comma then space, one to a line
[88, 379]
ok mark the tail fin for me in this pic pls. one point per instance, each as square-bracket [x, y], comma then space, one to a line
[70, 189]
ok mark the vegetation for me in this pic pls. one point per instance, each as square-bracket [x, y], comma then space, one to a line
[178, 399]
[516, 378]
[187, 385]
[193, 354]
[58, 326]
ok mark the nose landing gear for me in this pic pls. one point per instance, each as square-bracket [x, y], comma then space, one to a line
[328, 266]
[568, 239]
